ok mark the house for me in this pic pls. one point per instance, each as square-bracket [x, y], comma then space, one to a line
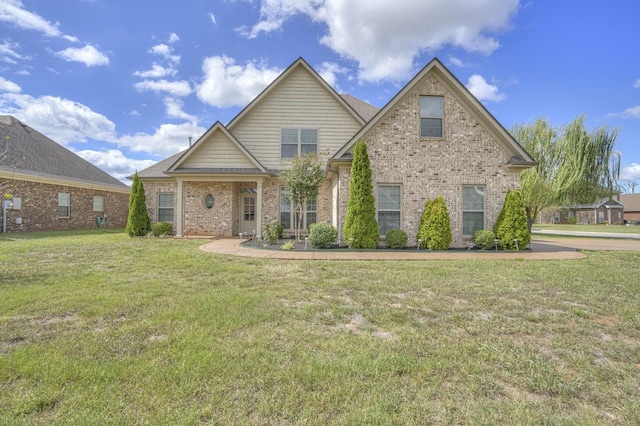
[432, 138]
[52, 187]
[631, 208]
[603, 211]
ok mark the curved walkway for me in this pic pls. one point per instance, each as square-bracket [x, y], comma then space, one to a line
[541, 249]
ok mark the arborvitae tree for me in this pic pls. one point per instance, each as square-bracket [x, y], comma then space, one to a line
[360, 223]
[438, 226]
[514, 224]
[422, 229]
[138, 221]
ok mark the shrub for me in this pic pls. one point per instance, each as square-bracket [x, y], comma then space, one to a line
[438, 226]
[138, 220]
[360, 223]
[161, 228]
[484, 239]
[322, 235]
[396, 239]
[572, 220]
[288, 245]
[272, 232]
[513, 225]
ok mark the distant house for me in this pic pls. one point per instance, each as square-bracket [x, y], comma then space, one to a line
[603, 211]
[52, 187]
[433, 138]
[631, 207]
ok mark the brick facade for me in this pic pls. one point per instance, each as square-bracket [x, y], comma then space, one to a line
[39, 207]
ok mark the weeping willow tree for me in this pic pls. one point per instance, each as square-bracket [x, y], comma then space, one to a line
[575, 166]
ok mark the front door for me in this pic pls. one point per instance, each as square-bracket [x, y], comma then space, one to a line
[247, 213]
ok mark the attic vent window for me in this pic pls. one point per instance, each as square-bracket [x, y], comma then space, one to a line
[208, 201]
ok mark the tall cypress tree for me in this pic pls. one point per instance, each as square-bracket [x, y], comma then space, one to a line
[138, 220]
[438, 226]
[422, 229]
[513, 225]
[360, 223]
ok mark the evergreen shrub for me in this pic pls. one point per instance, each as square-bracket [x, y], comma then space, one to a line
[484, 239]
[513, 224]
[396, 239]
[322, 235]
[438, 226]
[273, 231]
[159, 229]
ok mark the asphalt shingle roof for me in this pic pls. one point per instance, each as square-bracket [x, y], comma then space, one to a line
[32, 153]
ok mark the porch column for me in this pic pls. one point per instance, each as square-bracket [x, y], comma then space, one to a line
[259, 207]
[179, 209]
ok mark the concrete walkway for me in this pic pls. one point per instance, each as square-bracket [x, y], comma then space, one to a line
[541, 249]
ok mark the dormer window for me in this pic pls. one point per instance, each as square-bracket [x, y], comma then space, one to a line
[431, 116]
[298, 142]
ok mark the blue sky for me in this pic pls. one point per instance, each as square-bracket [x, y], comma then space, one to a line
[125, 83]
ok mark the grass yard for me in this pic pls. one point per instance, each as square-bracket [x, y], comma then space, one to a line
[98, 328]
[609, 229]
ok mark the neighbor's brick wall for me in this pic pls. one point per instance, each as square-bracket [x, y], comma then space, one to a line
[40, 207]
[428, 167]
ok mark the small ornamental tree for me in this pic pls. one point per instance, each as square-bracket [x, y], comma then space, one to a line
[438, 226]
[138, 221]
[513, 225]
[302, 180]
[360, 223]
[422, 236]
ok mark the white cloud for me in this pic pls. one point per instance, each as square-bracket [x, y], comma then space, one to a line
[212, 17]
[174, 88]
[457, 62]
[482, 90]
[13, 12]
[166, 52]
[173, 37]
[227, 84]
[174, 109]
[9, 86]
[633, 112]
[385, 37]
[329, 70]
[167, 140]
[114, 162]
[62, 120]
[9, 54]
[630, 172]
[636, 85]
[88, 55]
[156, 71]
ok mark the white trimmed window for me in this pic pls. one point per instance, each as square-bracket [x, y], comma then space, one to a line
[296, 142]
[472, 209]
[98, 203]
[64, 205]
[165, 207]
[431, 116]
[288, 216]
[389, 207]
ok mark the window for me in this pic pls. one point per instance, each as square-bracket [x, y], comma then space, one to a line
[431, 115]
[472, 209]
[298, 142]
[64, 205]
[165, 207]
[287, 215]
[98, 203]
[208, 201]
[389, 203]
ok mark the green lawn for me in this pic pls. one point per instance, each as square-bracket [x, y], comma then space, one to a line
[613, 229]
[104, 329]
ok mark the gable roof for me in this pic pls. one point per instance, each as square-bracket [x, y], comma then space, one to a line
[364, 109]
[299, 63]
[177, 166]
[519, 158]
[33, 156]
[631, 202]
[602, 202]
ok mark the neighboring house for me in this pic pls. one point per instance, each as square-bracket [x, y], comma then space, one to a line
[631, 207]
[52, 187]
[433, 138]
[603, 211]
